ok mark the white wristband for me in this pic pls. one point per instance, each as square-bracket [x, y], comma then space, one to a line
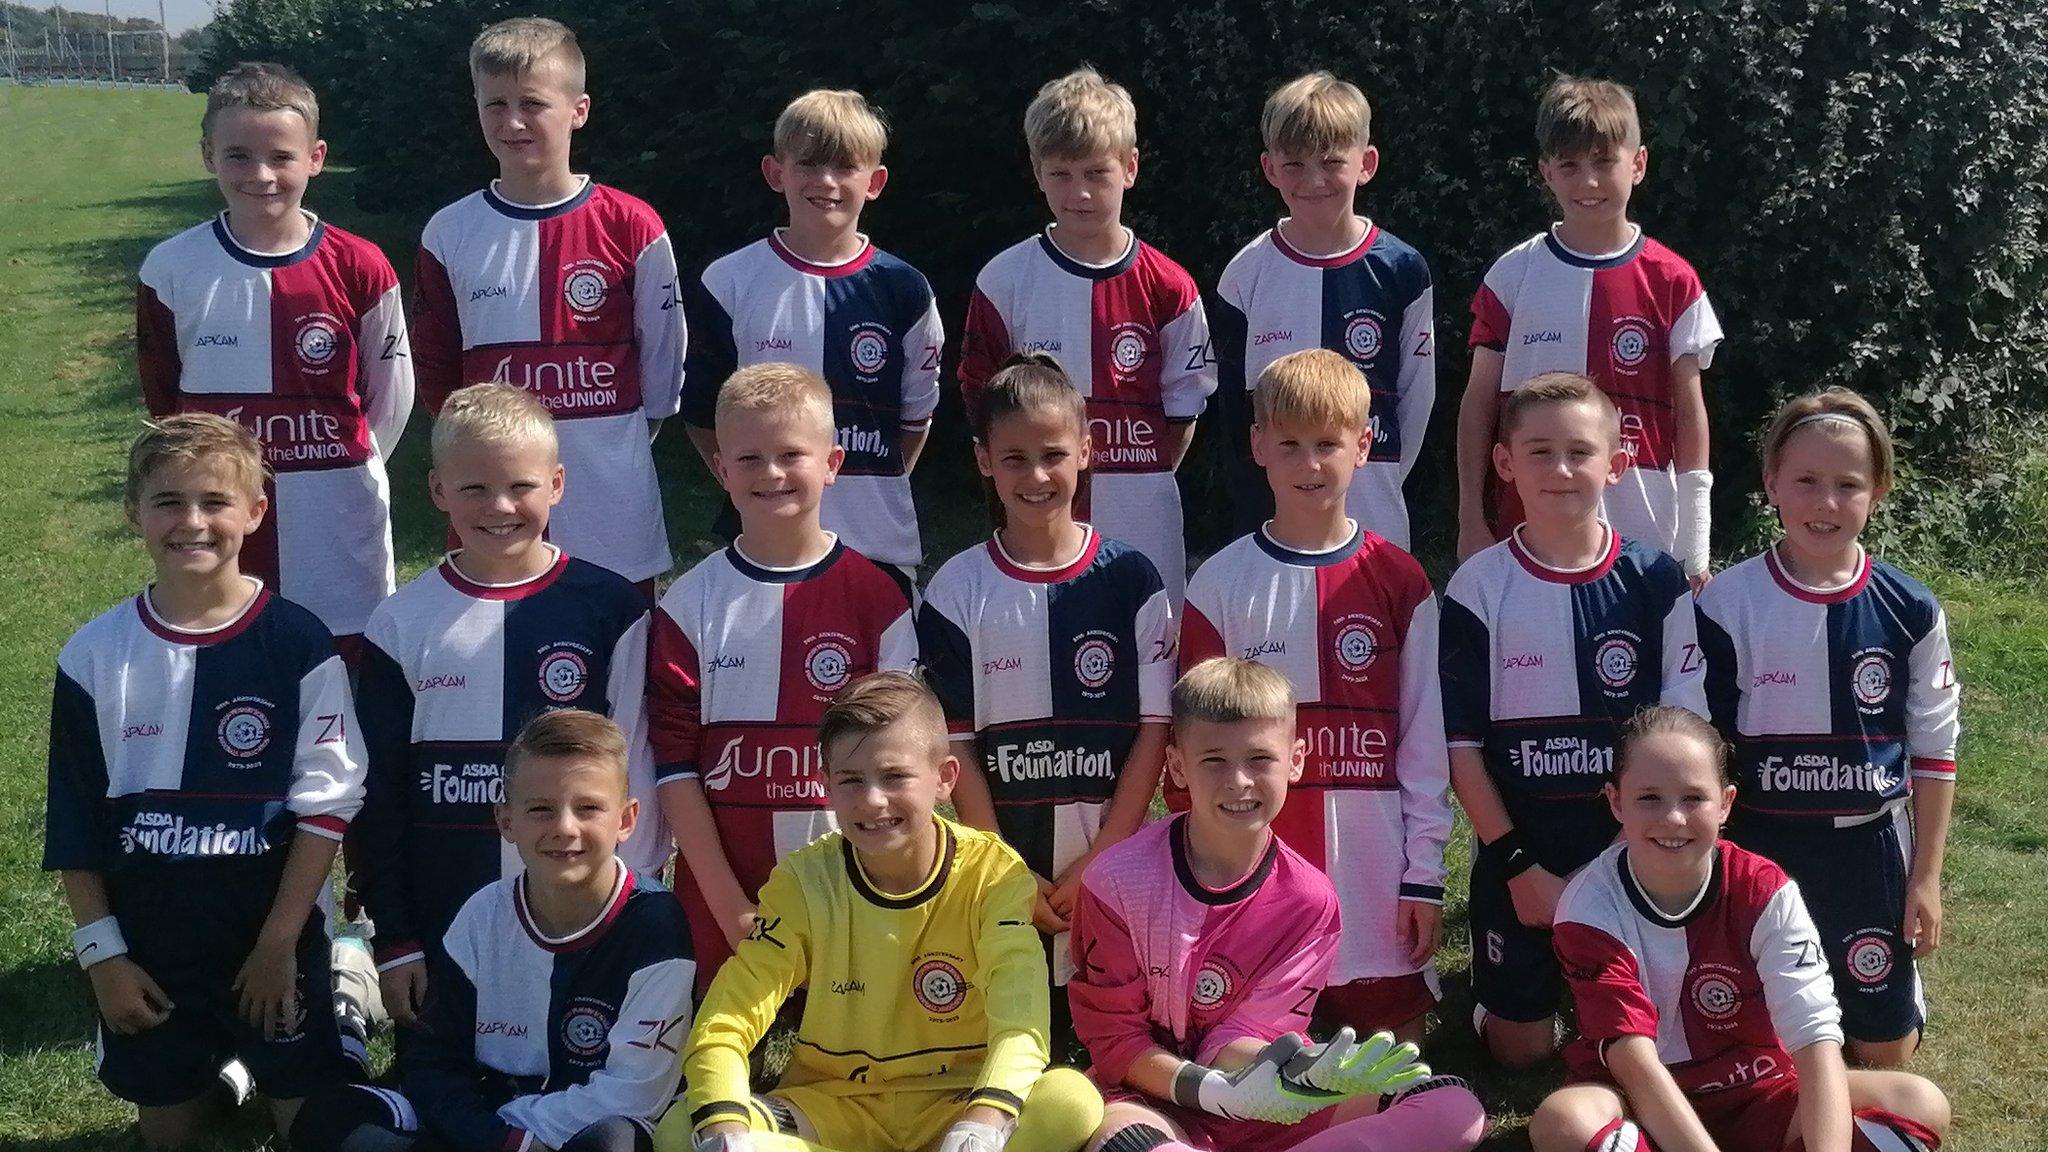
[97, 941]
[1695, 519]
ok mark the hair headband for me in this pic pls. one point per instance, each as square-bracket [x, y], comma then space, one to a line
[1817, 417]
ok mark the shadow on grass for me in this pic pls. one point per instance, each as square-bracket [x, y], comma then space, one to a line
[44, 1005]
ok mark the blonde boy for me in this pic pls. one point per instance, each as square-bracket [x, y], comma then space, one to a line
[1125, 322]
[1326, 277]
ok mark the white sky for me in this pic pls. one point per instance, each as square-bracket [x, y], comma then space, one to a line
[179, 14]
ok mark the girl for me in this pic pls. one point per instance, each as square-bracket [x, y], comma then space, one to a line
[1707, 1021]
[1831, 673]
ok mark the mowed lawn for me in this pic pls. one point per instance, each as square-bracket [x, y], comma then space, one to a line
[89, 180]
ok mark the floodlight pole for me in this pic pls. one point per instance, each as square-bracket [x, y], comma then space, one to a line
[163, 27]
[110, 39]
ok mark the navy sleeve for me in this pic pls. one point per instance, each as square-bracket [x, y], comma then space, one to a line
[1724, 691]
[438, 1068]
[1251, 501]
[76, 809]
[712, 354]
[1465, 651]
[384, 705]
[948, 660]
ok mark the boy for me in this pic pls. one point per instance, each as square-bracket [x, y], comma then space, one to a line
[1202, 942]
[819, 294]
[748, 648]
[1351, 621]
[1124, 321]
[560, 993]
[1552, 639]
[926, 1020]
[505, 627]
[1325, 277]
[194, 843]
[292, 328]
[562, 286]
[1595, 295]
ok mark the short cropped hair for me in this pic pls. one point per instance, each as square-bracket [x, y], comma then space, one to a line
[586, 736]
[1548, 388]
[190, 438]
[1578, 115]
[1838, 412]
[1668, 719]
[777, 389]
[831, 127]
[1312, 388]
[265, 88]
[1080, 114]
[1027, 382]
[878, 700]
[1225, 690]
[519, 45]
[1313, 114]
[498, 414]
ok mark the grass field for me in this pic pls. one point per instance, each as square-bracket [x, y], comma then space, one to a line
[89, 180]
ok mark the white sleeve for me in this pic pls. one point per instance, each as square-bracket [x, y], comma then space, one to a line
[1422, 763]
[1189, 373]
[1933, 704]
[626, 704]
[1696, 332]
[658, 329]
[1685, 663]
[640, 1074]
[328, 765]
[1798, 992]
[922, 346]
[384, 356]
[898, 650]
[1158, 653]
[1415, 387]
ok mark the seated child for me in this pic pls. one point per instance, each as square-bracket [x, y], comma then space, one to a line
[1201, 943]
[1707, 1020]
[560, 995]
[204, 763]
[926, 1020]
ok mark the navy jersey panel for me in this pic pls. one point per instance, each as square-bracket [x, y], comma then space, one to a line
[1363, 307]
[887, 299]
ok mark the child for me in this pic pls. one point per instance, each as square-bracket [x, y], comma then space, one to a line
[1551, 640]
[1201, 942]
[819, 294]
[1706, 1017]
[1124, 321]
[194, 843]
[750, 645]
[1831, 674]
[1595, 295]
[505, 627]
[292, 328]
[1351, 622]
[1052, 650]
[1325, 277]
[561, 993]
[562, 286]
[925, 1025]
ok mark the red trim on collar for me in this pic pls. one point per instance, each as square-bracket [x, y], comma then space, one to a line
[1372, 233]
[585, 936]
[220, 635]
[1799, 591]
[1545, 572]
[519, 591]
[829, 271]
[1015, 571]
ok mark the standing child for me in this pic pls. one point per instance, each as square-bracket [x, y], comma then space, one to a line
[1707, 1022]
[292, 328]
[557, 284]
[1124, 321]
[1326, 277]
[1831, 673]
[1350, 620]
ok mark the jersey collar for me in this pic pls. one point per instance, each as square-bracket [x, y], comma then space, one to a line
[218, 634]
[1334, 260]
[518, 591]
[1060, 575]
[828, 271]
[1545, 572]
[1073, 267]
[518, 211]
[764, 574]
[1215, 897]
[1323, 559]
[1579, 259]
[897, 902]
[255, 259]
[1701, 904]
[589, 934]
[1798, 591]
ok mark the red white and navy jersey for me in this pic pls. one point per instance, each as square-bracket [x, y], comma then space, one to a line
[308, 351]
[870, 327]
[742, 661]
[1621, 319]
[1354, 630]
[1160, 958]
[1132, 336]
[532, 1038]
[1542, 667]
[171, 747]
[451, 671]
[576, 303]
[1726, 988]
[1833, 698]
[1372, 305]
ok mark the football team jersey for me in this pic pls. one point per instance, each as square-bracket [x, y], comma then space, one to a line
[1727, 988]
[941, 987]
[1160, 958]
[308, 351]
[1832, 697]
[1354, 630]
[870, 327]
[1542, 667]
[742, 661]
[576, 303]
[1132, 336]
[1373, 305]
[1621, 319]
[532, 1038]
[452, 669]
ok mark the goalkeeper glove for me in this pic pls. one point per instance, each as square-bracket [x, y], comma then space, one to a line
[974, 1136]
[1257, 1091]
[1347, 1067]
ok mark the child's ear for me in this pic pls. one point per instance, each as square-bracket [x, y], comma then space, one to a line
[1269, 166]
[1369, 165]
[949, 775]
[259, 510]
[1259, 445]
[1131, 168]
[1087, 455]
[629, 818]
[771, 171]
[316, 158]
[502, 816]
[834, 460]
[579, 112]
[1504, 464]
[557, 482]
[982, 459]
[1176, 766]
[1640, 166]
[1297, 760]
[877, 180]
[1613, 795]
[1617, 464]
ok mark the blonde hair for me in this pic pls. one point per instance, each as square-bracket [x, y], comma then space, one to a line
[496, 414]
[776, 389]
[193, 438]
[1551, 388]
[1838, 412]
[1225, 690]
[265, 88]
[831, 127]
[1312, 388]
[1670, 720]
[567, 732]
[1080, 114]
[517, 46]
[1578, 115]
[879, 700]
[1313, 114]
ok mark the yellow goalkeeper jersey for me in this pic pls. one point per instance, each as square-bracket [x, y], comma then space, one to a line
[943, 987]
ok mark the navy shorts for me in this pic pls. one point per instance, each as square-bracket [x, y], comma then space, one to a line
[1514, 970]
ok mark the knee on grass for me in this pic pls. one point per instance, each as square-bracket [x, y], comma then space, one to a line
[1569, 1120]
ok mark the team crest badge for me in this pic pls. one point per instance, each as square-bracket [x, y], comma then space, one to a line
[585, 286]
[1362, 337]
[563, 675]
[1357, 644]
[1212, 985]
[244, 730]
[939, 986]
[1615, 659]
[1870, 959]
[317, 340]
[1870, 679]
[1094, 662]
[1128, 347]
[1714, 993]
[828, 663]
[1631, 342]
[585, 1028]
[869, 349]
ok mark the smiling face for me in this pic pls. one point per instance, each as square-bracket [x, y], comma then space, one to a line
[262, 160]
[1560, 457]
[1320, 188]
[1592, 188]
[826, 196]
[883, 787]
[566, 815]
[1086, 193]
[1671, 803]
[497, 496]
[1824, 486]
[1236, 774]
[1034, 458]
[775, 464]
[1309, 469]
[527, 118]
[192, 515]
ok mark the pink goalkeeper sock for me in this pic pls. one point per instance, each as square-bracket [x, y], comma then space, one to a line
[1439, 1115]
